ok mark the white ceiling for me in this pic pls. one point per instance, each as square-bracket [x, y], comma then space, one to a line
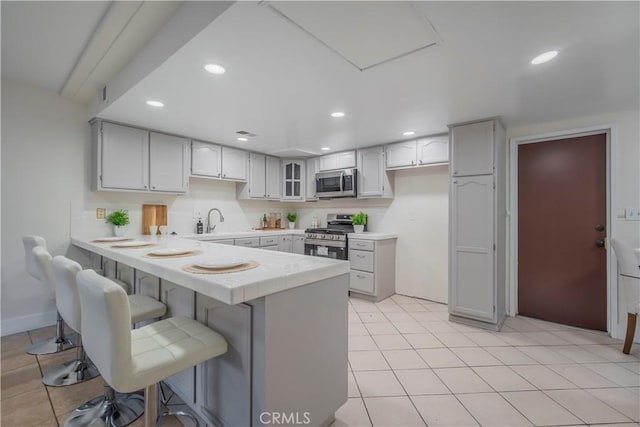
[281, 83]
[42, 40]
[75, 47]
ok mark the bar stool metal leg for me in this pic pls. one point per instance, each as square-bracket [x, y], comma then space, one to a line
[77, 371]
[55, 344]
[153, 401]
[110, 410]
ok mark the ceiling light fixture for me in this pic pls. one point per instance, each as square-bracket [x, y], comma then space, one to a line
[337, 114]
[408, 133]
[153, 103]
[326, 148]
[243, 139]
[544, 57]
[215, 69]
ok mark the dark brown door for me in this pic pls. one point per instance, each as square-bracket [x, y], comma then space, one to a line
[562, 271]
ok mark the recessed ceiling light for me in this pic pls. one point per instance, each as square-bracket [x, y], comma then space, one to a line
[155, 103]
[243, 139]
[215, 69]
[544, 57]
[408, 133]
[337, 114]
[326, 148]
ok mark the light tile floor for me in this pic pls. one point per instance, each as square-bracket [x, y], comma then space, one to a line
[410, 366]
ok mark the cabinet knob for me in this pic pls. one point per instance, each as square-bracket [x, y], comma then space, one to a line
[413, 162]
[420, 161]
[154, 187]
[145, 186]
[455, 181]
[218, 175]
[224, 176]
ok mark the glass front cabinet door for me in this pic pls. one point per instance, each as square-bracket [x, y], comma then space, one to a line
[293, 182]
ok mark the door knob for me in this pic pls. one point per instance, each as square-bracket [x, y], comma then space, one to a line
[599, 227]
[600, 243]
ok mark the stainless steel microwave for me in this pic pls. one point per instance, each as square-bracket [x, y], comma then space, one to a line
[340, 183]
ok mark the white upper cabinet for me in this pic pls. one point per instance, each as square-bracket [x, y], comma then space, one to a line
[401, 154]
[274, 178]
[433, 150]
[372, 175]
[312, 167]
[472, 149]
[206, 159]
[344, 160]
[256, 182]
[122, 157]
[234, 164]
[293, 180]
[169, 163]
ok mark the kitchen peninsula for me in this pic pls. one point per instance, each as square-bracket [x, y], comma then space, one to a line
[285, 322]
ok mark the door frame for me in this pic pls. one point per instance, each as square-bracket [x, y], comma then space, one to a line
[612, 280]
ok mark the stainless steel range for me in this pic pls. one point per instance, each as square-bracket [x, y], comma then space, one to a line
[329, 242]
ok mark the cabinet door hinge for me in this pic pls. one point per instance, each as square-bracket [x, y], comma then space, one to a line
[100, 177]
[494, 309]
[494, 246]
[494, 185]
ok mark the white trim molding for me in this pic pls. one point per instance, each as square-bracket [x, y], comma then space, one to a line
[27, 323]
[613, 327]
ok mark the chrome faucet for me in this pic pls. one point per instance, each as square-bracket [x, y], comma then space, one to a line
[209, 227]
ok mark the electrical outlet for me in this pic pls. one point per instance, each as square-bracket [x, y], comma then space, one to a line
[101, 213]
[632, 214]
[197, 213]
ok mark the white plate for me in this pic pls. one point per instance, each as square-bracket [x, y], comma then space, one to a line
[170, 251]
[112, 239]
[220, 262]
[134, 243]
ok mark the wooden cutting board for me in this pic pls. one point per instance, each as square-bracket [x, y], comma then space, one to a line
[153, 215]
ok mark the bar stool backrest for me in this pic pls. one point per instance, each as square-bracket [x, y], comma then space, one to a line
[106, 326]
[30, 242]
[628, 265]
[45, 270]
[67, 297]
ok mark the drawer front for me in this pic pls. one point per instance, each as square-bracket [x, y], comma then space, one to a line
[361, 245]
[269, 241]
[361, 282]
[251, 242]
[361, 260]
[270, 247]
[222, 241]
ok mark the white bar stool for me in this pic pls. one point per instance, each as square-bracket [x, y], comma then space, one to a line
[630, 275]
[64, 273]
[130, 360]
[60, 342]
[113, 409]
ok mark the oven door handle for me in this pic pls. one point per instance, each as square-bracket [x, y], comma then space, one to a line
[341, 182]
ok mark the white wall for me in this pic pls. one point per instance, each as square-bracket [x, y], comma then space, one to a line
[45, 191]
[625, 184]
[418, 213]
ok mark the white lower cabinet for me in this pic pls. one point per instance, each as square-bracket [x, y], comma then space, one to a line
[126, 275]
[298, 244]
[180, 302]
[373, 268]
[285, 244]
[224, 383]
[109, 268]
[269, 241]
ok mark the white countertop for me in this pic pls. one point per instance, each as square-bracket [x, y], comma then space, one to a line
[241, 234]
[372, 236]
[278, 271]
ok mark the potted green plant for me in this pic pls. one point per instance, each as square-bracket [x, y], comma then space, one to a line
[359, 220]
[291, 217]
[119, 219]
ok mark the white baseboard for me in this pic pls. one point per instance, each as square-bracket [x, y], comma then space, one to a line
[27, 323]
